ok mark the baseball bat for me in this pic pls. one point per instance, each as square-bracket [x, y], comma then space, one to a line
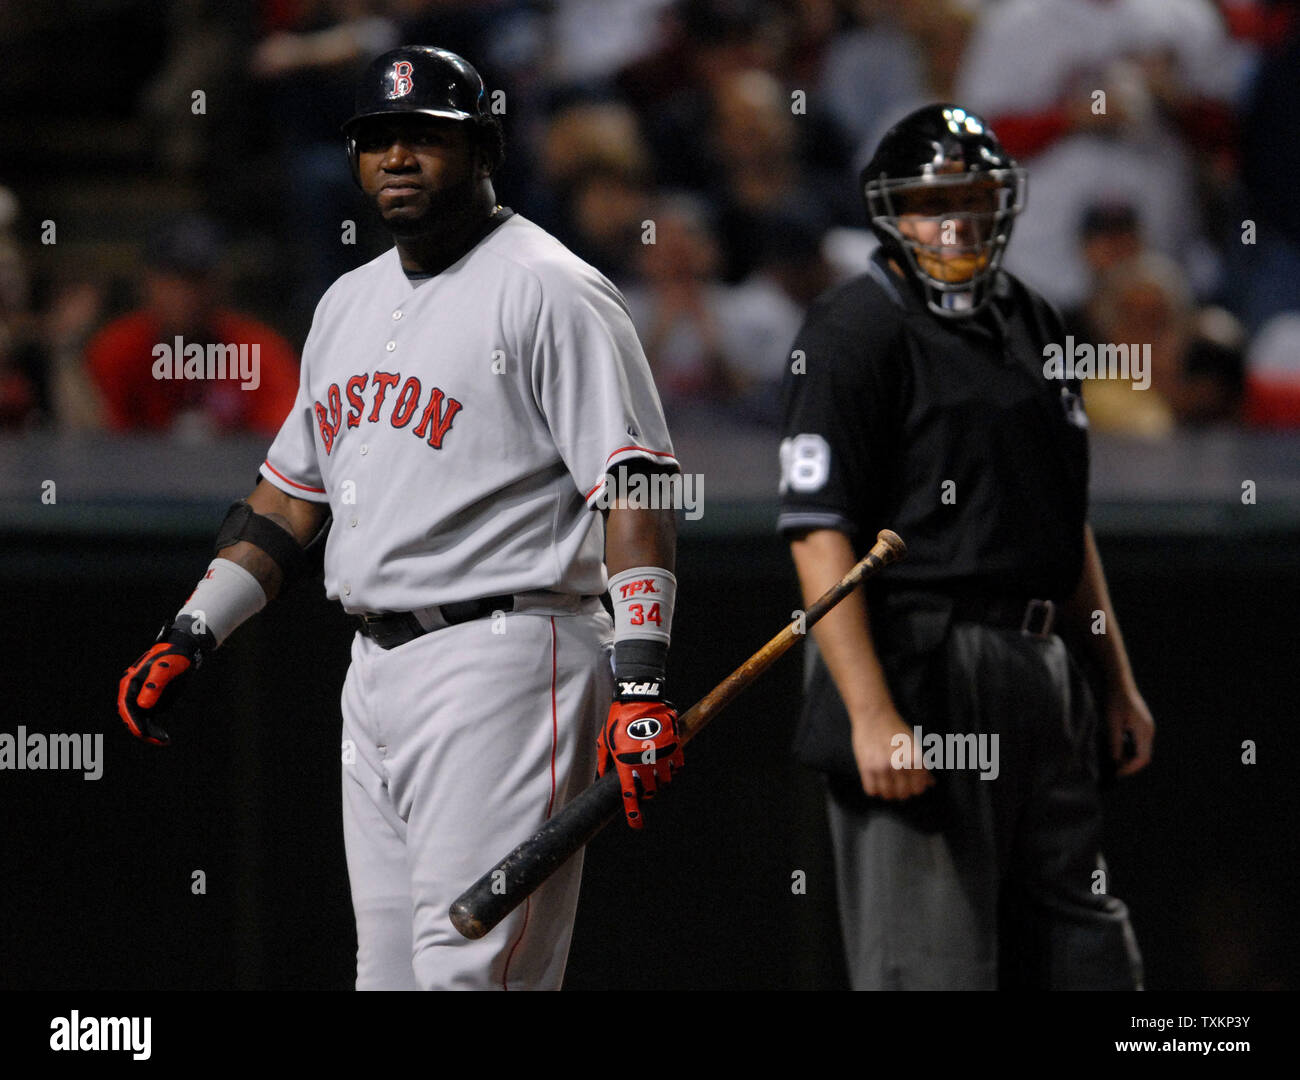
[503, 888]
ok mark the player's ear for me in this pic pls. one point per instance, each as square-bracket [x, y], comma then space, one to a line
[488, 148]
[483, 163]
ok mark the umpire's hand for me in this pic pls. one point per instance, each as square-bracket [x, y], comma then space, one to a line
[1131, 729]
[879, 753]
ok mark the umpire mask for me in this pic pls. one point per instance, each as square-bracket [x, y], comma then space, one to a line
[942, 195]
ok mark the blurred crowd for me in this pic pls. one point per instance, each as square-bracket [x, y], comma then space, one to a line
[703, 154]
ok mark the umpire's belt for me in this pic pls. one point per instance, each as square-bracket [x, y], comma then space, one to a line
[389, 629]
[1005, 611]
[1028, 615]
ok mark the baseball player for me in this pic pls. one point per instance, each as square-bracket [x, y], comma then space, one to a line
[463, 400]
[924, 406]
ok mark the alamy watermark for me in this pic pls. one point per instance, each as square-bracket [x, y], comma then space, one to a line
[654, 491]
[77, 1032]
[36, 751]
[1105, 361]
[953, 750]
[213, 361]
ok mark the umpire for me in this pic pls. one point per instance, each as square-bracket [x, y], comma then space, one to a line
[957, 733]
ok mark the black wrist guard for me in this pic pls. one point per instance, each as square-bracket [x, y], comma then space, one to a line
[180, 631]
[639, 665]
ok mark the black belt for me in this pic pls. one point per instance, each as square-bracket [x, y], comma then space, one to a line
[390, 629]
[1029, 615]
[1008, 611]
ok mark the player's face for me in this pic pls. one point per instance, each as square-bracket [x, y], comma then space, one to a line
[418, 169]
[951, 224]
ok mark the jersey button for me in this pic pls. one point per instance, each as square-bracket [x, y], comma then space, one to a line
[397, 314]
[353, 523]
[365, 448]
[347, 590]
[391, 346]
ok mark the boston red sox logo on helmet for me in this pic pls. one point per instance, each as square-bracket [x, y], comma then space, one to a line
[419, 79]
[403, 83]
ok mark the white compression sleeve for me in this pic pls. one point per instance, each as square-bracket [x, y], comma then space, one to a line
[225, 596]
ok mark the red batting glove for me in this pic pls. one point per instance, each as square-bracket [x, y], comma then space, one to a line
[642, 739]
[148, 688]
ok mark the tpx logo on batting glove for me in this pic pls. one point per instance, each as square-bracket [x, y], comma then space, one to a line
[148, 688]
[642, 740]
[645, 689]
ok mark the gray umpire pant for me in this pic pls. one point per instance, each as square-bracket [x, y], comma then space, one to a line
[987, 883]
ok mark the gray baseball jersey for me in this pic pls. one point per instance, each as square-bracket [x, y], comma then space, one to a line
[461, 427]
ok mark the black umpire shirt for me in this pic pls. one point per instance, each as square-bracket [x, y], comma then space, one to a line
[946, 431]
[949, 433]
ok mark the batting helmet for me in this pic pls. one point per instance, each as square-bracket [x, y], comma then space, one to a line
[425, 80]
[942, 164]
